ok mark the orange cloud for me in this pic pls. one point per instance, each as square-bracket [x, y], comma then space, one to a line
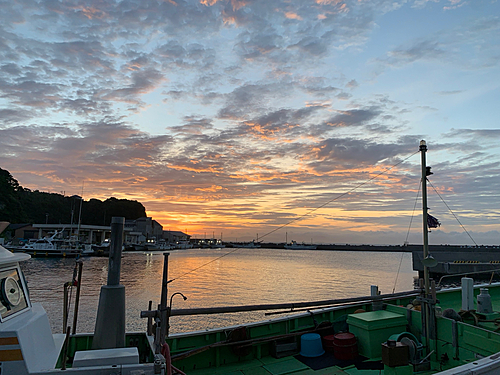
[211, 189]
[293, 16]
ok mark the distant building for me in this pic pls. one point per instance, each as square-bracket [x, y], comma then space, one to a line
[173, 236]
[16, 232]
[135, 231]
[149, 228]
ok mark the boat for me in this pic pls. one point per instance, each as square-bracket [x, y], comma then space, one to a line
[102, 250]
[52, 246]
[422, 331]
[295, 246]
[28, 347]
[183, 244]
[216, 244]
[247, 245]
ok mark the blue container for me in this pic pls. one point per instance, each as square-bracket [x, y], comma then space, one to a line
[310, 345]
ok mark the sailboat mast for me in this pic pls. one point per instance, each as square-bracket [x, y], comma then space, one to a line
[423, 150]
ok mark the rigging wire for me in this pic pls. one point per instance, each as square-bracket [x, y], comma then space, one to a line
[439, 195]
[300, 217]
[407, 234]
[339, 196]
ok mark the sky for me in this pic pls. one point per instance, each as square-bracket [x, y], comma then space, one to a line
[261, 119]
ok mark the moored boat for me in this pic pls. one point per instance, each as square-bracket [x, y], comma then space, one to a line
[425, 331]
[295, 246]
[247, 245]
[52, 246]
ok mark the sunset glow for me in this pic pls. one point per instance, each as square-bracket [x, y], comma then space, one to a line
[277, 119]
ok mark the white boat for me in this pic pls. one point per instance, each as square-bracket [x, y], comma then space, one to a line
[248, 245]
[217, 244]
[28, 347]
[295, 246]
[50, 247]
[164, 245]
[183, 245]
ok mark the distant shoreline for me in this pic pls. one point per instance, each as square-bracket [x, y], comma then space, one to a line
[387, 248]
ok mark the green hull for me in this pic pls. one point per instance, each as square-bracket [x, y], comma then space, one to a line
[256, 348]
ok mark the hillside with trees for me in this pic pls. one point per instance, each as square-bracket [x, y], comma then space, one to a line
[21, 205]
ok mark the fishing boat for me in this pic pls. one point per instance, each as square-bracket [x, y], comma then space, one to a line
[247, 245]
[216, 244]
[423, 331]
[183, 244]
[52, 246]
[295, 246]
[27, 345]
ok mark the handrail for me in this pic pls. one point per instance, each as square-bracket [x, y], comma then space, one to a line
[467, 273]
[276, 306]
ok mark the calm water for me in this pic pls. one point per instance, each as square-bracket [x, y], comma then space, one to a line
[247, 276]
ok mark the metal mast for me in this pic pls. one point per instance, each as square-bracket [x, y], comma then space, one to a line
[423, 150]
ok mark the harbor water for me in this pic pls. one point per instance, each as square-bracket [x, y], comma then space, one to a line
[243, 277]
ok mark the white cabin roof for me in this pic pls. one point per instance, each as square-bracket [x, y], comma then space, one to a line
[7, 257]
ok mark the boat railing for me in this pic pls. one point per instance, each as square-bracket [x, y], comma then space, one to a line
[469, 273]
[277, 306]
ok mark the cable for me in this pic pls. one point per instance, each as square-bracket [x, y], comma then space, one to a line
[407, 234]
[465, 230]
[413, 213]
[300, 217]
[338, 197]
[203, 265]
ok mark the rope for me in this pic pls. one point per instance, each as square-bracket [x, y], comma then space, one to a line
[407, 234]
[465, 230]
[300, 217]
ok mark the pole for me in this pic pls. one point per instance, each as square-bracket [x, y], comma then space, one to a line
[164, 313]
[65, 306]
[110, 322]
[423, 150]
[291, 305]
[77, 298]
[115, 250]
[426, 314]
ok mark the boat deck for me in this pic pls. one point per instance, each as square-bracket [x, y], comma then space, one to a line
[287, 365]
[474, 341]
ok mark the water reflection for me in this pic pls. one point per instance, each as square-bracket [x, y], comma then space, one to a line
[248, 276]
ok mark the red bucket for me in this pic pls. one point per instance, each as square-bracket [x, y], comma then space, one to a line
[328, 343]
[345, 346]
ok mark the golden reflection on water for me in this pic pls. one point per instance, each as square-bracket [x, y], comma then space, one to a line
[245, 277]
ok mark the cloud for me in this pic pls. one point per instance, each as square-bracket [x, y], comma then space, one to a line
[263, 107]
[452, 46]
[484, 134]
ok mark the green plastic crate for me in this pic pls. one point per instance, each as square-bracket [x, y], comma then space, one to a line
[373, 328]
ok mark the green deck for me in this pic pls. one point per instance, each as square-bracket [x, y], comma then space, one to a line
[473, 342]
[255, 351]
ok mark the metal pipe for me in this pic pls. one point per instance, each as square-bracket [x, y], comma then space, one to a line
[497, 270]
[150, 320]
[65, 348]
[164, 313]
[65, 306]
[77, 298]
[115, 250]
[277, 306]
[170, 309]
[423, 150]
[426, 314]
